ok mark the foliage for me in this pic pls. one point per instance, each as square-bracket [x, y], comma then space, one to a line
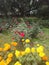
[44, 23]
[25, 30]
[25, 7]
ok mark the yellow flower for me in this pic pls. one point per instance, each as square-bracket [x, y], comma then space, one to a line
[22, 53]
[17, 63]
[1, 49]
[27, 41]
[40, 49]
[47, 63]
[14, 43]
[8, 60]
[6, 44]
[10, 55]
[27, 50]
[17, 53]
[23, 40]
[32, 49]
[0, 58]
[41, 54]
[6, 47]
[38, 45]
[3, 62]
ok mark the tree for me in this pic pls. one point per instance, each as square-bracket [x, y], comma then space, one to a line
[24, 7]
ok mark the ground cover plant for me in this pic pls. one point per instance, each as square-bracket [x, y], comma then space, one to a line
[9, 54]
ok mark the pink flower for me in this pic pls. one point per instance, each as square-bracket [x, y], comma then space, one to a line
[22, 34]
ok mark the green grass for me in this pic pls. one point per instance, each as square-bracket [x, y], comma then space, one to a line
[44, 40]
[5, 38]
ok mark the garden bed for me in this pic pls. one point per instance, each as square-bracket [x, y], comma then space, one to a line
[24, 43]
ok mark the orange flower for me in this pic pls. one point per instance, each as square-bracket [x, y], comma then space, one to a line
[14, 43]
[45, 58]
[1, 49]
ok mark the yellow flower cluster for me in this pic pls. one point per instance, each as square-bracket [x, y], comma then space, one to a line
[9, 58]
[7, 46]
[26, 41]
[3, 62]
[39, 49]
[7, 61]
[17, 63]
[19, 53]
[27, 51]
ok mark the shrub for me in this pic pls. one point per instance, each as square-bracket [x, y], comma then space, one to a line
[26, 30]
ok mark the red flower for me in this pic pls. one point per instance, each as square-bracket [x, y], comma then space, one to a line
[22, 34]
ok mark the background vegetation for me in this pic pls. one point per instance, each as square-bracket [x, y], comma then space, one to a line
[39, 8]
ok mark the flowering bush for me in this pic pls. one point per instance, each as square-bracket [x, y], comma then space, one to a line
[22, 51]
[30, 55]
[25, 30]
